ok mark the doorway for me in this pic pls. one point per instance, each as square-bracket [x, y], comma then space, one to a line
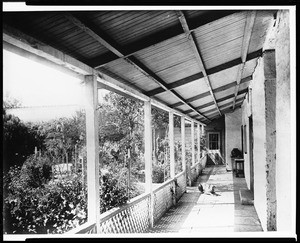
[214, 147]
[251, 154]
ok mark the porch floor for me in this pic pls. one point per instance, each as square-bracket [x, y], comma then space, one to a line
[200, 213]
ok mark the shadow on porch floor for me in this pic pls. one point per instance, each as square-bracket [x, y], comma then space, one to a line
[201, 213]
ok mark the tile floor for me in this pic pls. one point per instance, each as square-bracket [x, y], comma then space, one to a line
[201, 213]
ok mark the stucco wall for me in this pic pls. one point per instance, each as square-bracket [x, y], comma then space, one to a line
[245, 121]
[263, 97]
[285, 217]
[233, 122]
[259, 137]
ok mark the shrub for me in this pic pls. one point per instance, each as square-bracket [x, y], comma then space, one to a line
[36, 171]
[112, 193]
[55, 208]
[158, 174]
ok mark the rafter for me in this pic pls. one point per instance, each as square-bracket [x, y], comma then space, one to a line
[219, 100]
[216, 90]
[176, 84]
[224, 105]
[113, 47]
[196, 52]
[159, 37]
[210, 71]
[245, 46]
[225, 110]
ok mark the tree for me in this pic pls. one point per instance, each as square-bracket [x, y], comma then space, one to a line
[19, 141]
[10, 102]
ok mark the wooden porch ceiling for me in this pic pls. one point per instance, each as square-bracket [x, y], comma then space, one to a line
[197, 62]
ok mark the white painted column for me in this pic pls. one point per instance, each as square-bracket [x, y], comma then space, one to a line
[171, 144]
[183, 145]
[198, 142]
[92, 146]
[202, 134]
[200, 128]
[148, 156]
[193, 141]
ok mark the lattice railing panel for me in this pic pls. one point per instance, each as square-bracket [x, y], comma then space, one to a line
[86, 228]
[162, 200]
[132, 218]
[197, 168]
[181, 185]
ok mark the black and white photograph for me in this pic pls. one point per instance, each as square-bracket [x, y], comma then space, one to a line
[149, 121]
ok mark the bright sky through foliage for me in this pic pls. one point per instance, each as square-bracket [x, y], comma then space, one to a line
[35, 84]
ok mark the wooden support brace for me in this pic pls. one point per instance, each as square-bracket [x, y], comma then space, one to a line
[183, 145]
[193, 142]
[148, 158]
[92, 146]
[171, 144]
[198, 142]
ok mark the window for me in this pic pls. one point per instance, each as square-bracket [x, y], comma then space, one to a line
[213, 141]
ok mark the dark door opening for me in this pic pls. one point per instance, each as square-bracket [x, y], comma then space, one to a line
[251, 154]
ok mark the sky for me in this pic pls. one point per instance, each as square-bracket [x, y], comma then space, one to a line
[35, 84]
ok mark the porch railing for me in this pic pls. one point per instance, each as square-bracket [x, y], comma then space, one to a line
[133, 217]
[198, 167]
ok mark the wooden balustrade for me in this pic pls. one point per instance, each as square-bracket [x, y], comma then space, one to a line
[133, 217]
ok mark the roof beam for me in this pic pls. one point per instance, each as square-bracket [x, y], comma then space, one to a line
[26, 45]
[33, 46]
[219, 100]
[176, 84]
[245, 46]
[225, 105]
[160, 37]
[131, 60]
[113, 82]
[212, 116]
[210, 71]
[196, 52]
[219, 89]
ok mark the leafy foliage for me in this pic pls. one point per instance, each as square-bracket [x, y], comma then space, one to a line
[112, 193]
[36, 171]
[19, 141]
[54, 208]
[35, 202]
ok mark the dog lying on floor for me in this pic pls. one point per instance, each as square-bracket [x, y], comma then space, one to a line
[207, 189]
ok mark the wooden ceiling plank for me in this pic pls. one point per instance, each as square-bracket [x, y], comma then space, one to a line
[197, 54]
[93, 34]
[224, 105]
[219, 100]
[245, 46]
[210, 71]
[219, 89]
[131, 60]
[160, 37]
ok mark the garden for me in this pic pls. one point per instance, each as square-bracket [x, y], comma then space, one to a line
[44, 170]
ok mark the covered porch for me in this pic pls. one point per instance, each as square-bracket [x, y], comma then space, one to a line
[199, 65]
[197, 213]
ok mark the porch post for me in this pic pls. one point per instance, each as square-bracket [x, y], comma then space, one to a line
[193, 141]
[92, 147]
[148, 157]
[198, 143]
[171, 144]
[202, 134]
[270, 116]
[183, 145]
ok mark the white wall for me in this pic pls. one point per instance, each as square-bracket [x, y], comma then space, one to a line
[259, 140]
[284, 183]
[245, 121]
[233, 122]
